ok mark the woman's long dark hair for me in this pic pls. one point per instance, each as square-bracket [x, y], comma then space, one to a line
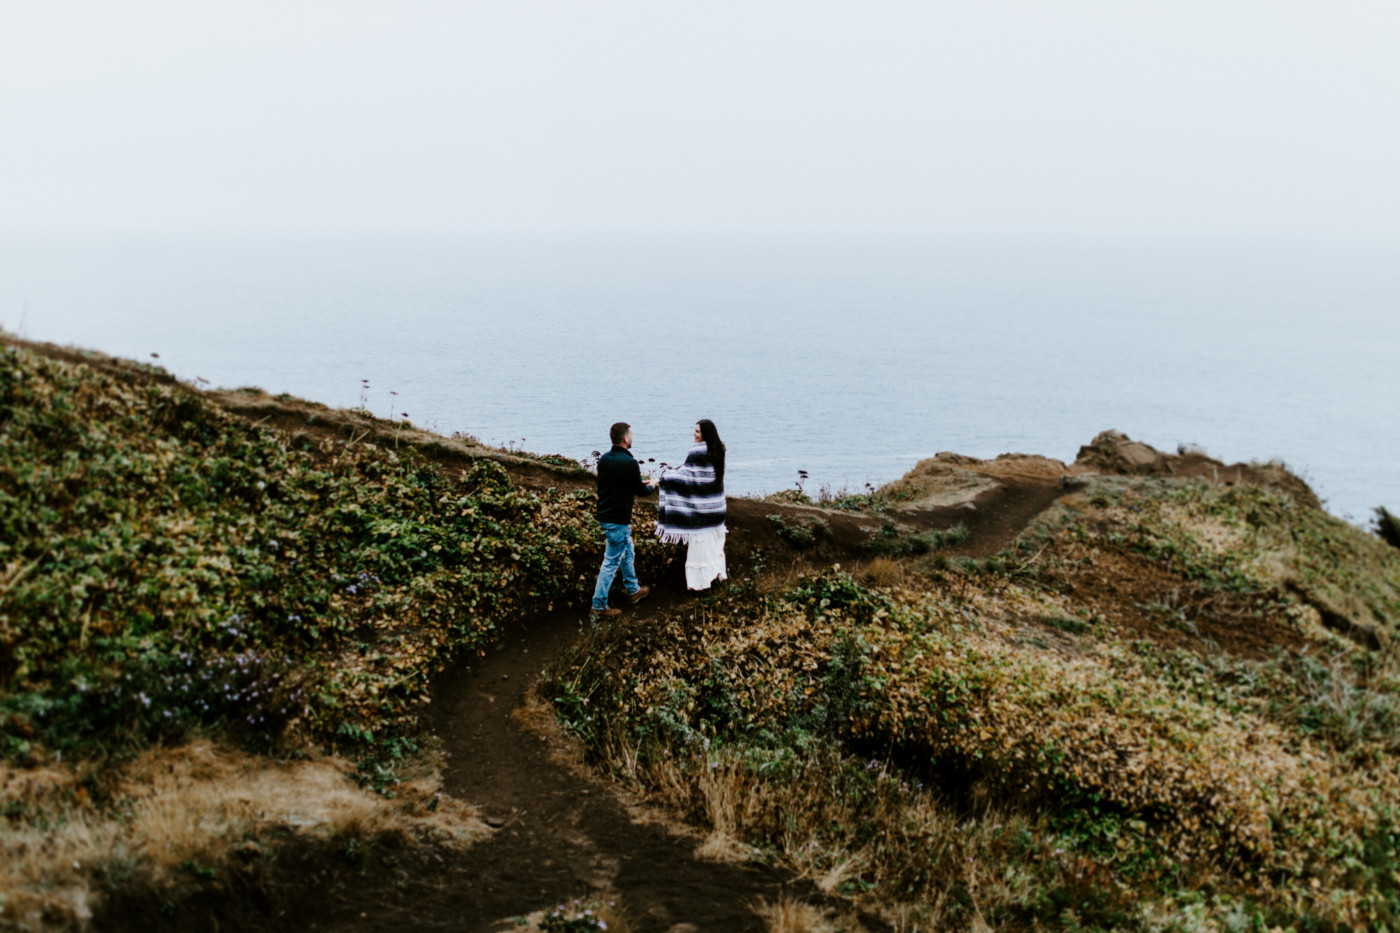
[713, 446]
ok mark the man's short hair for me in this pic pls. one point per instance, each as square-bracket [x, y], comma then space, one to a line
[619, 431]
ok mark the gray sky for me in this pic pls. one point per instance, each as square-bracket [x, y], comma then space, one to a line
[1203, 117]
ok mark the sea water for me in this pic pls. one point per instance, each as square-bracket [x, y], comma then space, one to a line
[847, 358]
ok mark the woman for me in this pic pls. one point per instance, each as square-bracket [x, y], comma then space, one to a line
[692, 508]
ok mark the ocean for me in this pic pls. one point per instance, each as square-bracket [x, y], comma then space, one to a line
[849, 358]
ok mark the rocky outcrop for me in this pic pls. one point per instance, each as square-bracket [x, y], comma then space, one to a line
[1114, 452]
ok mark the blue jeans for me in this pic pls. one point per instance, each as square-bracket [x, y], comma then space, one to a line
[617, 553]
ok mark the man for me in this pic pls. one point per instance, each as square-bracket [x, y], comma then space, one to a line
[619, 481]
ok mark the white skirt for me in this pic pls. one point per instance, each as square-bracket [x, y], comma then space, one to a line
[704, 559]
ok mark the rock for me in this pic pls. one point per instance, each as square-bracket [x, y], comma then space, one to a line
[1114, 452]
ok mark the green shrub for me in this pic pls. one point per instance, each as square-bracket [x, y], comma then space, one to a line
[1387, 526]
[801, 535]
[888, 541]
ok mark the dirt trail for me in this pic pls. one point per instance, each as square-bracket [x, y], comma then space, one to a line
[562, 835]
[559, 835]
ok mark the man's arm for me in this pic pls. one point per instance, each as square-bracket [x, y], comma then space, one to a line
[643, 488]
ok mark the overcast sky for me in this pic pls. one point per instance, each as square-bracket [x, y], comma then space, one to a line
[1203, 117]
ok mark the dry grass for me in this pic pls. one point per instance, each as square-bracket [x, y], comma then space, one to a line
[925, 842]
[724, 788]
[839, 873]
[721, 847]
[793, 916]
[188, 800]
[884, 572]
[199, 804]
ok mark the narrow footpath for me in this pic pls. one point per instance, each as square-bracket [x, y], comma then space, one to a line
[560, 834]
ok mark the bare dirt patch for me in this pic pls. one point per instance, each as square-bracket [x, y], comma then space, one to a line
[1142, 598]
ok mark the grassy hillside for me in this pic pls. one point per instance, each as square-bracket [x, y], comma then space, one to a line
[168, 566]
[1132, 718]
[1167, 704]
[172, 573]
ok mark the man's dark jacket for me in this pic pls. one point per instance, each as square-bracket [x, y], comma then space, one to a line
[619, 480]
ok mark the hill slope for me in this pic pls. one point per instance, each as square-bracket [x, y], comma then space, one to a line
[1134, 692]
[1169, 703]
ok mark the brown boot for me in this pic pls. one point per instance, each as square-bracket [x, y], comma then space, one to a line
[638, 596]
[608, 613]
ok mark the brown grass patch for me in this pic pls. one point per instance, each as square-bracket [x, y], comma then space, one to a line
[789, 915]
[884, 572]
[724, 788]
[925, 844]
[197, 804]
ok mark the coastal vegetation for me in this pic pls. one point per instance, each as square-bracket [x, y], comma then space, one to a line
[1134, 717]
[1159, 701]
[172, 574]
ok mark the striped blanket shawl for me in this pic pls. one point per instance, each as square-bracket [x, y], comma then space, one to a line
[692, 499]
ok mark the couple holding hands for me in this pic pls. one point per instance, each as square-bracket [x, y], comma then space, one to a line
[691, 511]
